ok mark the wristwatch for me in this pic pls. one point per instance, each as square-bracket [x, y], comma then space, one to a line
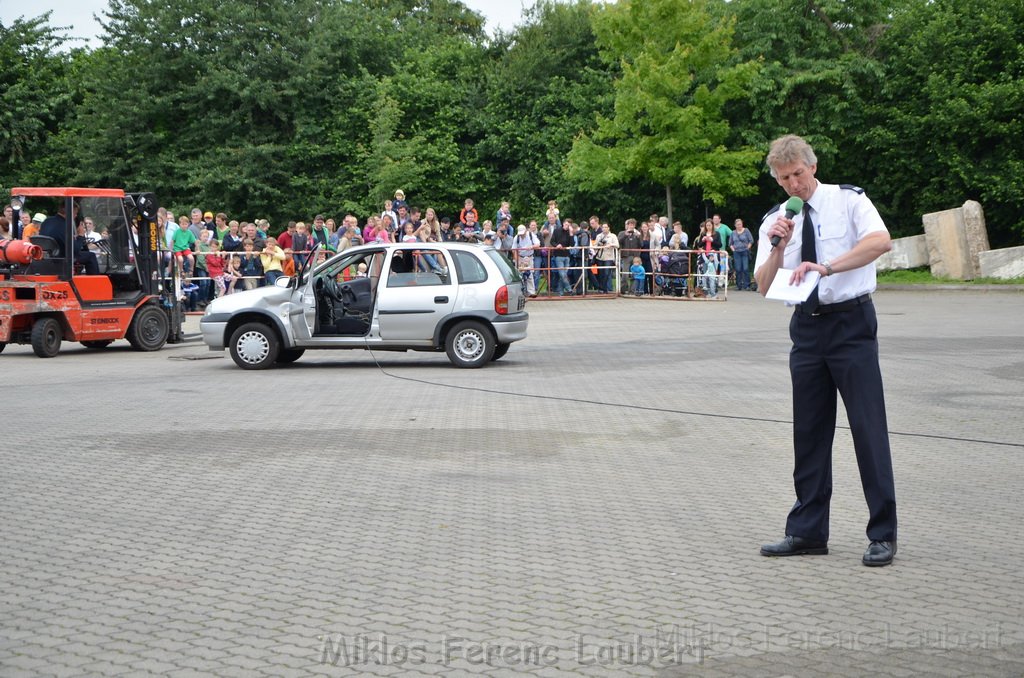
[828, 267]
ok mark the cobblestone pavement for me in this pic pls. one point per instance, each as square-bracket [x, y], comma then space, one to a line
[592, 504]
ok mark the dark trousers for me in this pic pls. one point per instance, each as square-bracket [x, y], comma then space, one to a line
[833, 353]
[741, 261]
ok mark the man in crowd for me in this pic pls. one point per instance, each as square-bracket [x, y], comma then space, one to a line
[198, 225]
[561, 242]
[629, 247]
[606, 246]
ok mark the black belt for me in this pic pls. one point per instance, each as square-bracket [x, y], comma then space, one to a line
[838, 307]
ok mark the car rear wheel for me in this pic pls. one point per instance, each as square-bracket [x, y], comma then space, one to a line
[254, 346]
[499, 351]
[46, 337]
[290, 355]
[149, 329]
[469, 344]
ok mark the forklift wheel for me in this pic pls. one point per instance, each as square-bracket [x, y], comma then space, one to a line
[149, 329]
[46, 337]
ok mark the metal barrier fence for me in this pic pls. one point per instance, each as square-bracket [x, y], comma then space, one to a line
[550, 273]
[675, 274]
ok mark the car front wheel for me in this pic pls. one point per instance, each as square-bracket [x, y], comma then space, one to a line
[469, 344]
[254, 346]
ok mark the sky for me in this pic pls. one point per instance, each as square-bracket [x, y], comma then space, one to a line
[503, 14]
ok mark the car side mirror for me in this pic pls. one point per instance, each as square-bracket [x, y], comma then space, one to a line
[283, 281]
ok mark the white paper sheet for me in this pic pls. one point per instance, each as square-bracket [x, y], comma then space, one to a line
[794, 294]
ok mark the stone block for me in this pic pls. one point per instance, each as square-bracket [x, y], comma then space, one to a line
[906, 253]
[955, 239]
[1005, 263]
[977, 233]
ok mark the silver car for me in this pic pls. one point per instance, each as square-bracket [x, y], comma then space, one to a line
[466, 300]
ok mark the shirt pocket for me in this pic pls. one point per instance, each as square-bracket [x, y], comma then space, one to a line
[833, 235]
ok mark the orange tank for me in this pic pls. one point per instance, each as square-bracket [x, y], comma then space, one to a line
[19, 252]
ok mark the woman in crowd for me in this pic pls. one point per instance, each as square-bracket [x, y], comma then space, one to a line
[645, 257]
[522, 249]
[435, 226]
[542, 261]
[428, 262]
[708, 243]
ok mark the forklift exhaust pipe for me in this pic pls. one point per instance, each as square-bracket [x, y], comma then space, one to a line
[19, 252]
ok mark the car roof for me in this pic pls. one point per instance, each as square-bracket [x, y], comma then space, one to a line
[463, 246]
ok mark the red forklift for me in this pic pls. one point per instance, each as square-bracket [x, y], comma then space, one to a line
[46, 295]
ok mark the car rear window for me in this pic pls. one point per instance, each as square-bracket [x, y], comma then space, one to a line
[508, 271]
[471, 270]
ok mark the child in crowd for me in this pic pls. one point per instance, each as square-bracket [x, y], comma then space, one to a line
[467, 211]
[272, 259]
[639, 274]
[300, 244]
[361, 271]
[250, 268]
[410, 233]
[552, 209]
[189, 295]
[183, 240]
[390, 211]
[399, 201]
[504, 213]
[216, 268]
[288, 265]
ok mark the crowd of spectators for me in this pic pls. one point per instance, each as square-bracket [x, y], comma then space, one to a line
[555, 256]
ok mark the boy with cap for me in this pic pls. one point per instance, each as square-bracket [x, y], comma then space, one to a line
[31, 228]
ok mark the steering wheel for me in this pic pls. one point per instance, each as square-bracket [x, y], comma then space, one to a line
[330, 288]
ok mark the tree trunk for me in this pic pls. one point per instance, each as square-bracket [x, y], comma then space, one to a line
[668, 203]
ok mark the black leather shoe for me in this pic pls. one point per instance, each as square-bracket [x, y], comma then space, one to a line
[879, 553]
[795, 546]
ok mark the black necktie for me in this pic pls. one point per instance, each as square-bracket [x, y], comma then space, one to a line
[808, 253]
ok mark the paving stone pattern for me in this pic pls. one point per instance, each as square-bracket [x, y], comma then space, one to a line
[591, 505]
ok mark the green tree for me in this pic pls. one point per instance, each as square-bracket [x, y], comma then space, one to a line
[948, 126]
[669, 127]
[820, 78]
[36, 99]
[546, 85]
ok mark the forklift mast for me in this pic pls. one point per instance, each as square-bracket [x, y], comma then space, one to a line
[143, 207]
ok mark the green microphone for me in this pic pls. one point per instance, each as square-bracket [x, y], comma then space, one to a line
[793, 206]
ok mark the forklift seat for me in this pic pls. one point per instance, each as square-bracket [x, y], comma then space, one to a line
[50, 247]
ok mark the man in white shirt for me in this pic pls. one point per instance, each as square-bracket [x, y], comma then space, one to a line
[835, 347]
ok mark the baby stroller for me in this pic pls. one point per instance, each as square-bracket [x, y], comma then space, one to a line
[675, 267]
